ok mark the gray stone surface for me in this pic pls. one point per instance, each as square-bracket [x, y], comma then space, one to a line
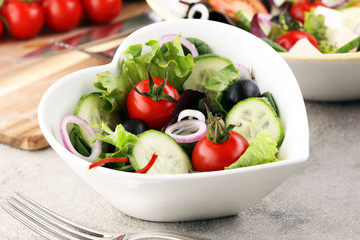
[319, 201]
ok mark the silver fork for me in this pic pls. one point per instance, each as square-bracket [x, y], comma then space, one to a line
[107, 54]
[53, 226]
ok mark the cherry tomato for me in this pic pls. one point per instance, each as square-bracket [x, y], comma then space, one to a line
[288, 39]
[102, 11]
[25, 19]
[154, 114]
[1, 28]
[210, 156]
[62, 15]
[298, 9]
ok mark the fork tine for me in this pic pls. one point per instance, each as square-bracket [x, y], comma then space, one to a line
[72, 224]
[9, 209]
[34, 223]
[53, 220]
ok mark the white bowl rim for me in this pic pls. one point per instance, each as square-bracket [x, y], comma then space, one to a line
[329, 57]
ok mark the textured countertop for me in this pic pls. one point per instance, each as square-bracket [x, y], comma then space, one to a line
[319, 201]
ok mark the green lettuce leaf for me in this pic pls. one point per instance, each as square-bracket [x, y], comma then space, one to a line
[120, 138]
[218, 84]
[315, 25]
[261, 150]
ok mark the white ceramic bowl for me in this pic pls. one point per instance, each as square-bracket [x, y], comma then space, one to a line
[199, 195]
[326, 77]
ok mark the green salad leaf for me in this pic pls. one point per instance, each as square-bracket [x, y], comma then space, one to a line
[217, 85]
[120, 138]
[315, 25]
[261, 150]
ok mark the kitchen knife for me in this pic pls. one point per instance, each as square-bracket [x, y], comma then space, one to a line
[106, 32]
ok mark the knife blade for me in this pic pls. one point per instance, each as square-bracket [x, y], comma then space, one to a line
[106, 32]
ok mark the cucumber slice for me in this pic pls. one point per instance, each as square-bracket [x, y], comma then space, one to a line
[255, 115]
[205, 66]
[91, 108]
[171, 159]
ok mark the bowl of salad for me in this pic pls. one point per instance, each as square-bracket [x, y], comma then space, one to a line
[319, 39]
[182, 124]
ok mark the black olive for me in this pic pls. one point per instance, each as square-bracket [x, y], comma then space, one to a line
[240, 90]
[135, 126]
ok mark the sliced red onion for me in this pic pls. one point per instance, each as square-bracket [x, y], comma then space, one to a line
[336, 4]
[191, 113]
[189, 45]
[244, 70]
[255, 27]
[96, 146]
[178, 130]
[265, 20]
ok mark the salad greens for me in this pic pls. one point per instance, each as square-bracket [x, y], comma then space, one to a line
[172, 62]
[335, 24]
[261, 150]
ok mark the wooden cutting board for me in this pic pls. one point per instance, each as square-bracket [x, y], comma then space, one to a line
[22, 84]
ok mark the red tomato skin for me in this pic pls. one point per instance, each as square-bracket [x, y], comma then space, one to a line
[298, 9]
[288, 39]
[25, 19]
[62, 15]
[102, 11]
[155, 114]
[209, 156]
[1, 28]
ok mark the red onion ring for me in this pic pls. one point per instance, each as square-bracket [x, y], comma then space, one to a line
[192, 124]
[338, 4]
[96, 146]
[191, 113]
[243, 70]
[265, 20]
[189, 45]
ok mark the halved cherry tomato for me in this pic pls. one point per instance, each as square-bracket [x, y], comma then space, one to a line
[231, 7]
[102, 11]
[298, 9]
[24, 18]
[154, 114]
[288, 39]
[1, 28]
[210, 156]
[62, 15]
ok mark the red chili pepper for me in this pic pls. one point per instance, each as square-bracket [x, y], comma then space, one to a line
[149, 165]
[109, 160]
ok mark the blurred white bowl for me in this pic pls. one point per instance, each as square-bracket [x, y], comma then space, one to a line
[199, 195]
[327, 77]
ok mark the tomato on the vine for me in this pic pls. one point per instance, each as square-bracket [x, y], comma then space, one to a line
[210, 156]
[62, 15]
[288, 39]
[155, 113]
[102, 11]
[298, 9]
[25, 19]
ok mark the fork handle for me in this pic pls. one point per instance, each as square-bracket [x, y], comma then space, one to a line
[160, 235]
